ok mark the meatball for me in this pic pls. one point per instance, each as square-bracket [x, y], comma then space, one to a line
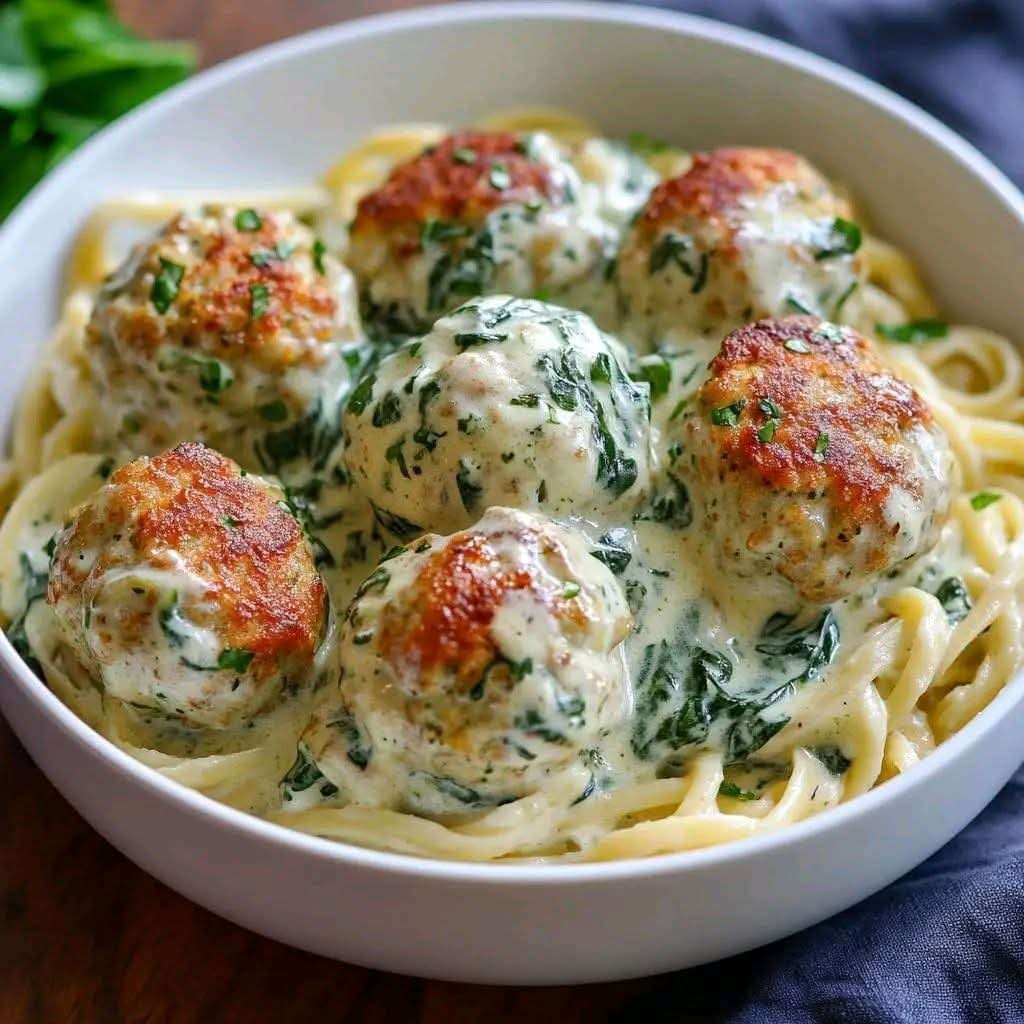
[811, 463]
[224, 326]
[743, 234]
[475, 667]
[480, 212]
[184, 587]
[505, 402]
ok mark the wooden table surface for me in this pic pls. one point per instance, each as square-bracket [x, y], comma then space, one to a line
[85, 936]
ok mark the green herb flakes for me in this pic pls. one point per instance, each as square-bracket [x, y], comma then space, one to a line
[845, 238]
[166, 285]
[259, 300]
[248, 220]
[728, 415]
[913, 331]
[983, 499]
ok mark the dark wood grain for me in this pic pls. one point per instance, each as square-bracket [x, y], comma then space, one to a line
[85, 936]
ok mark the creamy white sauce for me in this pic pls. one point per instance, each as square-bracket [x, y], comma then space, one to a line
[696, 678]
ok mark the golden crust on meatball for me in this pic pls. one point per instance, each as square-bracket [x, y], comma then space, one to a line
[813, 458]
[456, 597]
[460, 179]
[715, 183]
[193, 506]
[840, 414]
[230, 284]
[744, 233]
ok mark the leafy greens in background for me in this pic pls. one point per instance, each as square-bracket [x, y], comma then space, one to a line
[68, 67]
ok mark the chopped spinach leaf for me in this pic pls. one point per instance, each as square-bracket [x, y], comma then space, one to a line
[614, 550]
[954, 598]
[832, 758]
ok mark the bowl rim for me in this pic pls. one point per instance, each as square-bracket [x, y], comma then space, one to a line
[269, 834]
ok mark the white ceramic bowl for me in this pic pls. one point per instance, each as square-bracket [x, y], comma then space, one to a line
[278, 117]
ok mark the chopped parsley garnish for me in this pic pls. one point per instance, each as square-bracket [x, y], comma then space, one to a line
[828, 334]
[259, 300]
[172, 623]
[731, 790]
[728, 415]
[262, 257]
[570, 590]
[464, 155]
[845, 238]
[772, 415]
[214, 376]
[248, 220]
[913, 331]
[821, 447]
[166, 285]
[235, 659]
[319, 251]
[499, 177]
[983, 499]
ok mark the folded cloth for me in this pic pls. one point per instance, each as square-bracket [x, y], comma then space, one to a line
[945, 943]
[962, 60]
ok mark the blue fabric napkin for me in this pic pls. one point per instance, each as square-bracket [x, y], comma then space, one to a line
[944, 944]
